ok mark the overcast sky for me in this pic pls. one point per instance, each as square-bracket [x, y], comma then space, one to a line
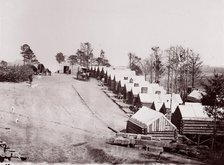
[117, 26]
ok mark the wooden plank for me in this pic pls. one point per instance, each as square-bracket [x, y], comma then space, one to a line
[196, 124]
[196, 121]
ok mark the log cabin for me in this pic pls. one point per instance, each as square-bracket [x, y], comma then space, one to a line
[151, 122]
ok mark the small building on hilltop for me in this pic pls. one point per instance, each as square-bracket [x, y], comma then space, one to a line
[66, 68]
[149, 121]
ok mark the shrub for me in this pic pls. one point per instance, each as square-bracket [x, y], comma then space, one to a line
[15, 73]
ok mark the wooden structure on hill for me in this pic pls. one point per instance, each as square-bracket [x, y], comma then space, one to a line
[151, 122]
[192, 120]
[195, 96]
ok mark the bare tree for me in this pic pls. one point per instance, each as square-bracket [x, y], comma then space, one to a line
[147, 68]
[85, 53]
[183, 68]
[175, 65]
[157, 63]
[195, 67]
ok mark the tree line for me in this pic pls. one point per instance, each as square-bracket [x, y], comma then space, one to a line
[181, 66]
[84, 56]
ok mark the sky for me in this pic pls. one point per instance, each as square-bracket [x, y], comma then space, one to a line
[116, 26]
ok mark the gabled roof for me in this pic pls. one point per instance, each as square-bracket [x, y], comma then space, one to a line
[193, 111]
[136, 79]
[136, 90]
[158, 105]
[154, 88]
[115, 72]
[176, 100]
[149, 98]
[128, 87]
[119, 76]
[195, 95]
[146, 116]
[162, 98]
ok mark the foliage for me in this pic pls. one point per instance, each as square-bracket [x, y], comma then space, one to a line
[214, 97]
[101, 60]
[3, 63]
[135, 63]
[73, 59]
[15, 73]
[137, 69]
[60, 57]
[85, 54]
[28, 55]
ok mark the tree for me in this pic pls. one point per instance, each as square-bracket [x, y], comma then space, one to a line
[134, 63]
[178, 70]
[28, 55]
[101, 60]
[60, 57]
[85, 54]
[147, 68]
[3, 64]
[73, 59]
[214, 100]
[195, 67]
[157, 64]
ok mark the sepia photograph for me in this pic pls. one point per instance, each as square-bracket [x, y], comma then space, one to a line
[111, 82]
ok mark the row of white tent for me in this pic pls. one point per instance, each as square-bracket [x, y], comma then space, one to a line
[126, 82]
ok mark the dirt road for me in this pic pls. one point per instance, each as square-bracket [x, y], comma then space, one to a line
[62, 119]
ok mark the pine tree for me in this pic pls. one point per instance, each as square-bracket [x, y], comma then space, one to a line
[214, 101]
[28, 55]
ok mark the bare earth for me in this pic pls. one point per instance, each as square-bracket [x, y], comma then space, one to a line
[51, 123]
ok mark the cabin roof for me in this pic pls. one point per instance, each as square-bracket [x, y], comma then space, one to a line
[161, 98]
[116, 72]
[196, 94]
[136, 79]
[149, 98]
[176, 100]
[193, 111]
[119, 76]
[147, 116]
